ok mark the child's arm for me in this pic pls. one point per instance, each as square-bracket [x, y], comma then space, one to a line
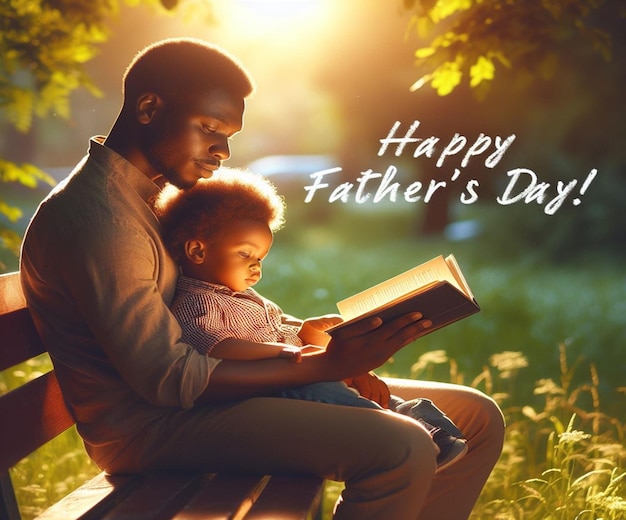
[313, 330]
[243, 350]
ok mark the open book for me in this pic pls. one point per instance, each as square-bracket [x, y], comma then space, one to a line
[436, 288]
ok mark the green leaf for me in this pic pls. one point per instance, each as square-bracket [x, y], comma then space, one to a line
[26, 174]
[446, 78]
[483, 69]
[423, 26]
[424, 52]
[10, 240]
[20, 108]
[10, 212]
[442, 10]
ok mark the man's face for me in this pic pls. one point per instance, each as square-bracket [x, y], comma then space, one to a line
[189, 140]
[234, 258]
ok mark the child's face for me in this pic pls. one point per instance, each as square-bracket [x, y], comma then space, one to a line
[234, 259]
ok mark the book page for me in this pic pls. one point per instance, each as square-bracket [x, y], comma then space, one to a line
[434, 270]
[458, 274]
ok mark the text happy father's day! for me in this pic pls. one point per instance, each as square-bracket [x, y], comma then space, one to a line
[523, 184]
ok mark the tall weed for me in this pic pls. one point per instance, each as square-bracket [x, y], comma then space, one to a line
[563, 460]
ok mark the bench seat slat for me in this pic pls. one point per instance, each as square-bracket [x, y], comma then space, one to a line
[288, 498]
[221, 496]
[159, 496]
[93, 498]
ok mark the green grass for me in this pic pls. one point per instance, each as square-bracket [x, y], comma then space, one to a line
[548, 344]
[526, 306]
[563, 460]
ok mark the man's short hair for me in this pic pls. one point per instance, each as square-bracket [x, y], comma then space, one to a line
[180, 65]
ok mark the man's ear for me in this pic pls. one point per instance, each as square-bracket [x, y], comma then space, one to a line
[195, 251]
[148, 106]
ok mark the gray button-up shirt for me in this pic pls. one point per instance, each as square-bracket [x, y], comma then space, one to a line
[98, 281]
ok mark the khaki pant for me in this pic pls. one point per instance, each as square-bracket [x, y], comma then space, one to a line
[386, 460]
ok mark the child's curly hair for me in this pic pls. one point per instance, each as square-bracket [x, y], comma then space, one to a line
[204, 211]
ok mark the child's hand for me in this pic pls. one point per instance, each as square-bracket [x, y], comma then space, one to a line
[371, 387]
[294, 354]
[313, 330]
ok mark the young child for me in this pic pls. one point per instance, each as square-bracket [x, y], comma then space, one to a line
[220, 232]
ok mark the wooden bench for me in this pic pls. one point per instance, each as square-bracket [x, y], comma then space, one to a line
[35, 413]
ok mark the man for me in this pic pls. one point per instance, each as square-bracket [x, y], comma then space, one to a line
[98, 282]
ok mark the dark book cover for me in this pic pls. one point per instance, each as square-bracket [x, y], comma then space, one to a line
[439, 302]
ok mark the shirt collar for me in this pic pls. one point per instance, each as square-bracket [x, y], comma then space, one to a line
[188, 284]
[114, 162]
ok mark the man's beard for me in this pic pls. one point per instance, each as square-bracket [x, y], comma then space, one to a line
[159, 160]
[174, 177]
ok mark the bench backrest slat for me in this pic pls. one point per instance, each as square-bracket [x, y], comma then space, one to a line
[19, 340]
[11, 296]
[35, 412]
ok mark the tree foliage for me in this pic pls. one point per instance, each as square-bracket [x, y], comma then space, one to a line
[554, 69]
[470, 40]
[44, 45]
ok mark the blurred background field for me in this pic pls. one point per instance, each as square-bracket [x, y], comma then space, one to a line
[545, 344]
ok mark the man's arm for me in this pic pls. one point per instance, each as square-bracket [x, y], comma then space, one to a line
[356, 351]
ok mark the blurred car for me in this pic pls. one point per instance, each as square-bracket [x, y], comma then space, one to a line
[291, 173]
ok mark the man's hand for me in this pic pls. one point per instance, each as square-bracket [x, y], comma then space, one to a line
[368, 344]
[371, 387]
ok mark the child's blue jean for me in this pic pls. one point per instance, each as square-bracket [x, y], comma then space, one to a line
[341, 394]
